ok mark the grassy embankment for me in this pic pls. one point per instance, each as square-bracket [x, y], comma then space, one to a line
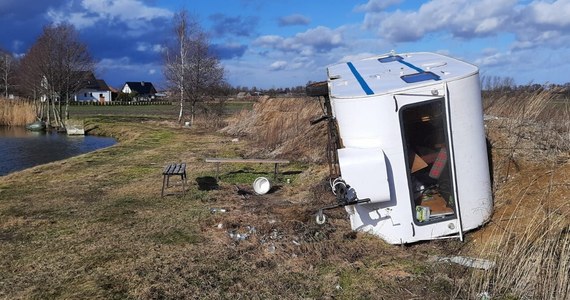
[95, 225]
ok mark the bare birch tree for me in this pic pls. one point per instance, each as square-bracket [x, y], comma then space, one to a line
[55, 67]
[7, 68]
[190, 68]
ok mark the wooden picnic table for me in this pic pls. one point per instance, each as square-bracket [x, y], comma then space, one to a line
[276, 162]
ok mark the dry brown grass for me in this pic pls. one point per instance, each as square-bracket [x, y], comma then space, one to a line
[528, 236]
[281, 127]
[104, 232]
[95, 226]
[16, 112]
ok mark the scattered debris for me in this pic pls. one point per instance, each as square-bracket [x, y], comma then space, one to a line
[217, 210]
[470, 262]
[243, 193]
[238, 236]
[242, 236]
[271, 248]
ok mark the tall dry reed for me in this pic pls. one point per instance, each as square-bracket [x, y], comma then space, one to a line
[16, 112]
[532, 264]
[282, 127]
[531, 250]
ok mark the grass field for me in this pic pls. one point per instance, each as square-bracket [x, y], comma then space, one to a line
[156, 111]
[95, 226]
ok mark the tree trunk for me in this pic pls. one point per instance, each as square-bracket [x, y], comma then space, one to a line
[48, 121]
[192, 112]
[181, 104]
[66, 109]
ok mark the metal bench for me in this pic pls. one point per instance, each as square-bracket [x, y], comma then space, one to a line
[276, 162]
[174, 170]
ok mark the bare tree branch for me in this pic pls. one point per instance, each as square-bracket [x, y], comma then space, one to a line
[189, 67]
[55, 67]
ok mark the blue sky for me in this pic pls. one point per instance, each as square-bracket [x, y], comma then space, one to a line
[289, 42]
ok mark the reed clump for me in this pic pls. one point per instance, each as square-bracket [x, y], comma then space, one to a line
[16, 112]
[532, 264]
[281, 126]
[528, 237]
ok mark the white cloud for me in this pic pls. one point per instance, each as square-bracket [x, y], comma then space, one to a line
[319, 39]
[125, 10]
[125, 63]
[278, 65]
[549, 14]
[462, 18]
[376, 5]
[543, 24]
[134, 14]
[495, 59]
[358, 56]
[536, 24]
[144, 47]
[78, 19]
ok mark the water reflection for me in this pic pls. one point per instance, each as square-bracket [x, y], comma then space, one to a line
[21, 149]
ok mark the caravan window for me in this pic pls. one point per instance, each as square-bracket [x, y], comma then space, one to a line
[421, 76]
[425, 135]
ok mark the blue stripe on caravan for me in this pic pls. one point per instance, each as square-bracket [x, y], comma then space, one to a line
[419, 70]
[363, 83]
[409, 65]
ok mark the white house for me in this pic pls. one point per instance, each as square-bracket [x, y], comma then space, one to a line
[93, 90]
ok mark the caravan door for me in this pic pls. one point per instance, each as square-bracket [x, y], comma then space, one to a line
[429, 163]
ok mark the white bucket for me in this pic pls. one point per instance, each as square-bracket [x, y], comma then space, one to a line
[261, 185]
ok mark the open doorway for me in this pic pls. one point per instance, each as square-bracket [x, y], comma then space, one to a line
[426, 147]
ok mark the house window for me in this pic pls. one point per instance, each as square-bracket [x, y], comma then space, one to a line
[91, 94]
[85, 95]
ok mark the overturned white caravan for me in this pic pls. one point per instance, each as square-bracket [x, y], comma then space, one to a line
[407, 145]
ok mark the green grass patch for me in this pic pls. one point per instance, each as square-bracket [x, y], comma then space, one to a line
[246, 173]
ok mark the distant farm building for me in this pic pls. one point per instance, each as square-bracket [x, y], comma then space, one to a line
[143, 91]
[93, 90]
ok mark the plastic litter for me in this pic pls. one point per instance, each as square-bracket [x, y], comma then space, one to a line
[271, 248]
[470, 262]
[236, 236]
[261, 185]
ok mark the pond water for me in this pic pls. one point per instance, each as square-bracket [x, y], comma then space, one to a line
[21, 149]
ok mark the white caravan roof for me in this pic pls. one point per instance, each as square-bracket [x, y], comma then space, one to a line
[394, 72]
